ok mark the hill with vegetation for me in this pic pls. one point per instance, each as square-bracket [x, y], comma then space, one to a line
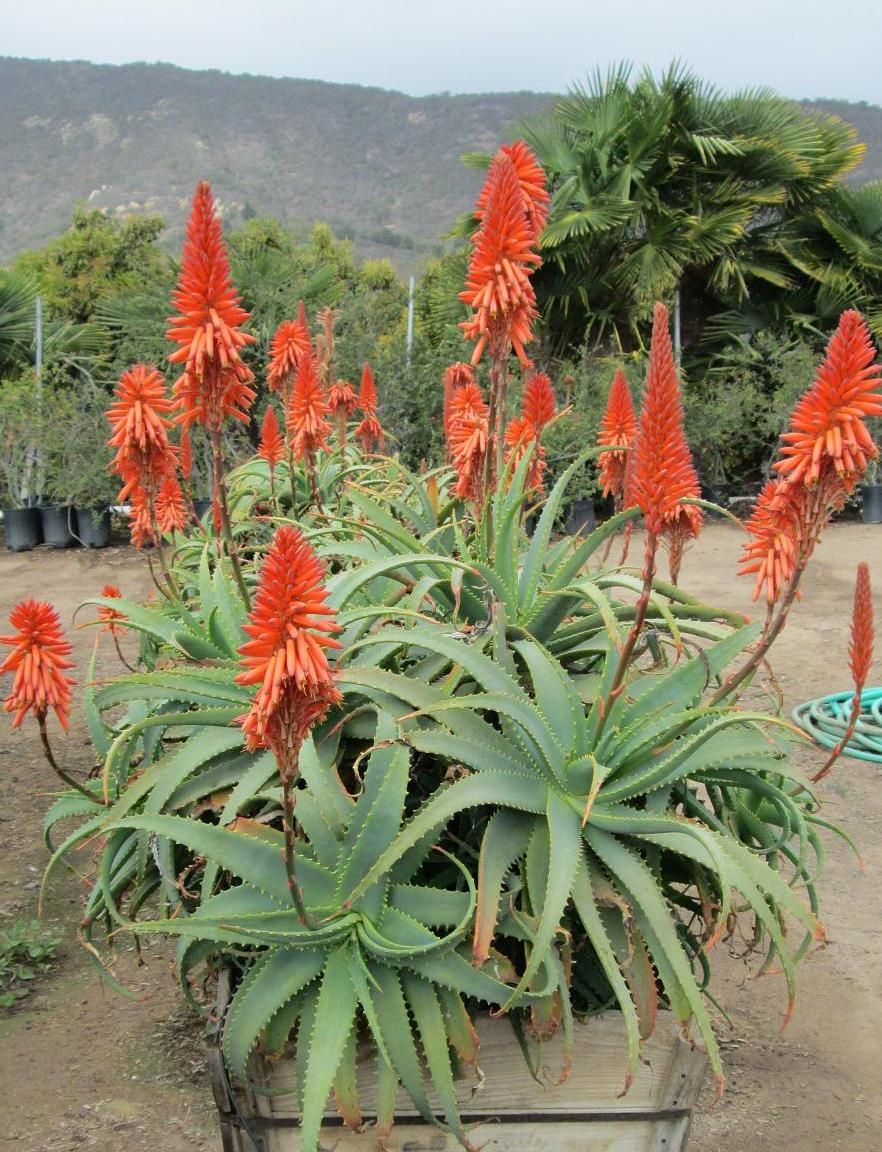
[381, 167]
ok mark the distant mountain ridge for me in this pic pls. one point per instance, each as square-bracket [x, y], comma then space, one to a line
[378, 165]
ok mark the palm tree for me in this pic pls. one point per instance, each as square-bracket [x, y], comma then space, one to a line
[667, 189]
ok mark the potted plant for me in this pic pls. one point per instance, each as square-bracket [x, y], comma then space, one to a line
[21, 468]
[79, 478]
[415, 794]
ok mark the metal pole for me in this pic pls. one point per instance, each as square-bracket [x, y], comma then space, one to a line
[677, 325]
[38, 339]
[410, 291]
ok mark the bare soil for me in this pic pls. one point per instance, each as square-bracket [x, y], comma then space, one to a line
[81, 1067]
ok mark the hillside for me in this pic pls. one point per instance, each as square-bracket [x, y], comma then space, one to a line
[382, 167]
[378, 165]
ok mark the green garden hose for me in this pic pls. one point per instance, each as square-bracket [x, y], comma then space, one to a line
[826, 721]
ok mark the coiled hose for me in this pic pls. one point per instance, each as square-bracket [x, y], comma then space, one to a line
[826, 721]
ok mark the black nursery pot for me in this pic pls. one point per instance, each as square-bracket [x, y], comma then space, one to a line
[93, 527]
[871, 498]
[56, 521]
[581, 520]
[22, 528]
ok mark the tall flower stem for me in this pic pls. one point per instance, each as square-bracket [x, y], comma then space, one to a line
[55, 766]
[288, 801]
[771, 632]
[840, 747]
[220, 488]
[627, 652]
[119, 653]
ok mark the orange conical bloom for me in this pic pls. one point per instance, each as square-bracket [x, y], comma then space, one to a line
[370, 431]
[774, 528]
[827, 431]
[342, 399]
[538, 405]
[215, 382]
[109, 616]
[860, 650]
[305, 419]
[467, 440]
[290, 342]
[455, 375]
[498, 288]
[537, 411]
[37, 662]
[291, 627]
[171, 511]
[618, 426]
[139, 429]
[533, 182]
[662, 473]
[272, 443]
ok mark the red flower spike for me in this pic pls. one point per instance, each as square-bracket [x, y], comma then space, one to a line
[662, 474]
[498, 288]
[827, 431]
[290, 342]
[272, 443]
[342, 399]
[617, 427]
[109, 616]
[215, 381]
[860, 650]
[291, 629]
[537, 411]
[37, 663]
[467, 440]
[171, 511]
[305, 417]
[532, 180]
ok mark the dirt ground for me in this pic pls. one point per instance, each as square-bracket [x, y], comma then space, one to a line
[81, 1067]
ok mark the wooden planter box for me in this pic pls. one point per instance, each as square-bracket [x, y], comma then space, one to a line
[510, 1112]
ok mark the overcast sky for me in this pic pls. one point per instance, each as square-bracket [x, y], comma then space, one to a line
[807, 48]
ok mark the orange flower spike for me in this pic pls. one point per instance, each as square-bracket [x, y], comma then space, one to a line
[185, 455]
[171, 511]
[827, 429]
[617, 427]
[37, 664]
[534, 189]
[455, 375]
[538, 405]
[774, 527]
[139, 429]
[289, 344]
[215, 381]
[662, 473]
[860, 650]
[272, 443]
[370, 431]
[467, 440]
[342, 399]
[305, 417]
[109, 616]
[498, 288]
[292, 629]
